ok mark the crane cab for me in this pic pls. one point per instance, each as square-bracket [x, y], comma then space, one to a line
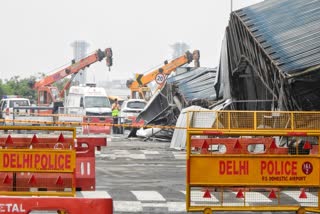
[47, 95]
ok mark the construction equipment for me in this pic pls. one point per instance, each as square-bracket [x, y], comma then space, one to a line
[50, 173]
[139, 88]
[49, 94]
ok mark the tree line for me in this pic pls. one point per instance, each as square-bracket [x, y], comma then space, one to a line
[23, 87]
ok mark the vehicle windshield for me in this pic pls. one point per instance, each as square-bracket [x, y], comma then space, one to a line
[17, 103]
[96, 102]
[136, 105]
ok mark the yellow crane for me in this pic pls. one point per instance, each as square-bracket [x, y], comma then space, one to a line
[139, 88]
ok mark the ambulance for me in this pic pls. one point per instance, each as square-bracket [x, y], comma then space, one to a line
[92, 104]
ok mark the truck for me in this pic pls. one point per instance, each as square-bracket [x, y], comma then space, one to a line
[139, 87]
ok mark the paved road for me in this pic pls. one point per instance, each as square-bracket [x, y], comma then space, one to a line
[143, 177]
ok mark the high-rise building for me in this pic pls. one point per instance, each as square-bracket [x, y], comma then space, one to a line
[80, 51]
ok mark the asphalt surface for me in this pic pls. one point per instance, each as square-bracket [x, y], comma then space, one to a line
[143, 177]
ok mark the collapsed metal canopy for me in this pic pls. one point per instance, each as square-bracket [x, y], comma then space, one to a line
[196, 83]
[273, 51]
[190, 86]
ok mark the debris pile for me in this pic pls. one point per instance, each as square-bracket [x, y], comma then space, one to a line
[191, 86]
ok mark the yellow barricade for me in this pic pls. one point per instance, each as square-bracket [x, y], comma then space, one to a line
[236, 161]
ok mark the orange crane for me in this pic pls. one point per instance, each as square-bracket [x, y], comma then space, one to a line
[49, 94]
[139, 88]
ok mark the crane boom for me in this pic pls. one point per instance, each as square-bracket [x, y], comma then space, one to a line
[48, 94]
[73, 68]
[140, 84]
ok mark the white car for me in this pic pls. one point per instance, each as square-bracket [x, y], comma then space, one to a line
[130, 109]
[7, 104]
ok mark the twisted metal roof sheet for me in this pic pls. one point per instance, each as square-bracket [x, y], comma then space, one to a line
[199, 83]
[288, 31]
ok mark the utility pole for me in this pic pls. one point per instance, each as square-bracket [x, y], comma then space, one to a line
[231, 5]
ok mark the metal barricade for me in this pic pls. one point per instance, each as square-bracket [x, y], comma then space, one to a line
[54, 172]
[30, 168]
[252, 161]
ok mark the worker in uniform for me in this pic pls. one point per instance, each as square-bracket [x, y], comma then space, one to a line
[115, 115]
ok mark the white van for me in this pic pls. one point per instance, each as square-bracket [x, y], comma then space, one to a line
[92, 103]
[93, 100]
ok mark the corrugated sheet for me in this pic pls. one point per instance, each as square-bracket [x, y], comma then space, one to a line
[288, 30]
[198, 83]
[273, 55]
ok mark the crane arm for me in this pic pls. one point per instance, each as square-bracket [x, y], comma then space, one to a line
[66, 86]
[166, 69]
[76, 67]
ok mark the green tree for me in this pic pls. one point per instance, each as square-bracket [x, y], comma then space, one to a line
[15, 86]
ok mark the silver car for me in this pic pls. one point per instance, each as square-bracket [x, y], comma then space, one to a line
[130, 109]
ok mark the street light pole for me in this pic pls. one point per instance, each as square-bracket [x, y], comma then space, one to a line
[231, 5]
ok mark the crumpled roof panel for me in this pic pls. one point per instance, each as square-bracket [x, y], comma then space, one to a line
[288, 30]
[198, 83]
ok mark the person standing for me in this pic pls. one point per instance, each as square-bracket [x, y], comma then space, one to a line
[115, 115]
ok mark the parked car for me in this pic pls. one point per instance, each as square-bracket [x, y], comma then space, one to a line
[7, 104]
[130, 109]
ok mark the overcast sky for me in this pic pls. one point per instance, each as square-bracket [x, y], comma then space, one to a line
[36, 34]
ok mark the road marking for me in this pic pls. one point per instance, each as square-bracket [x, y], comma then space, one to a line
[148, 196]
[123, 154]
[127, 206]
[179, 155]
[137, 156]
[149, 152]
[154, 205]
[95, 194]
[137, 206]
[176, 206]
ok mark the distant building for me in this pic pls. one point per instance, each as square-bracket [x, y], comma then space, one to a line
[80, 51]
